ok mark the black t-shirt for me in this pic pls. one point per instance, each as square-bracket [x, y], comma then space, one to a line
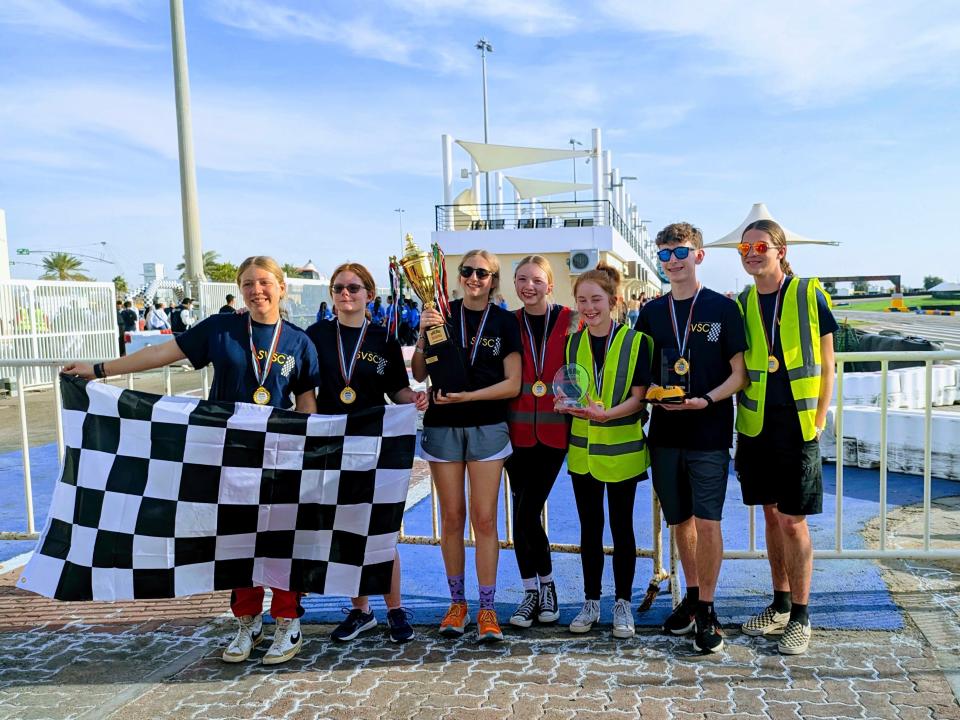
[778, 383]
[379, 368]
[129, 320]
[716, 335]
[501, 336]
[228, 309]
[641, 372]
[224, 341]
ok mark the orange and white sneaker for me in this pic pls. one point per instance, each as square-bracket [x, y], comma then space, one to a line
[455, 621]
[488, 629]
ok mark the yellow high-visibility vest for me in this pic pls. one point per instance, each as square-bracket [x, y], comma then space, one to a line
[800, 339]
[616, 450]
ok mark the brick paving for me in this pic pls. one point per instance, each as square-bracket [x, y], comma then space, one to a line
[161, 660]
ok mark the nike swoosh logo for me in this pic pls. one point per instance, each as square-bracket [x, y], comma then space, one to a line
[295, 638]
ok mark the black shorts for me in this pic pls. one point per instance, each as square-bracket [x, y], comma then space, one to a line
[778, 467]
[690, 483]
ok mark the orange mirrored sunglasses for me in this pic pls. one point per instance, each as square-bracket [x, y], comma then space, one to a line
[760, 247]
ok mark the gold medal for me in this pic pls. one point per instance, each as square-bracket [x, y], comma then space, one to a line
[772, 364]
[681, 366]
[261, 396]
[348, 395]
[539, 388]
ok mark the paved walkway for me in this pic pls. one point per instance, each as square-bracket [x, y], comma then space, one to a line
[160, 659]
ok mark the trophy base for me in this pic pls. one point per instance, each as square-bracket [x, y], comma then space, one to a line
[444, 362]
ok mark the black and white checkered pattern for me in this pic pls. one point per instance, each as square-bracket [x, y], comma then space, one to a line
[714, 333]
[167, 496]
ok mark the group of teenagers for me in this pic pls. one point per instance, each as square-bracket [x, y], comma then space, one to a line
[771, 346]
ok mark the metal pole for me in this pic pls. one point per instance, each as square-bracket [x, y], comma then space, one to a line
[25, 449]
[483, 46]
[399, 212]
[573, 146]
[192, 250]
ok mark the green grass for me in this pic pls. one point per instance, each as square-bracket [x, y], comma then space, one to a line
[882, 304]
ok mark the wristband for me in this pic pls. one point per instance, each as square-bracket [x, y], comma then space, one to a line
[708, 399]
[98, 371]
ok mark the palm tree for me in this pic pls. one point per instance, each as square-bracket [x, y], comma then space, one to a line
[63, 266]
[211, 258]
[291, 270]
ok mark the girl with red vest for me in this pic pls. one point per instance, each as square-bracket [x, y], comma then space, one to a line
[538, 434]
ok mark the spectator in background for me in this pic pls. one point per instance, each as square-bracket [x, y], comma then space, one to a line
[182, 317]
[324, 312]
[230, 308]
[128, 320]
[501, 302]
[157, 317]
[377, 315]
[123, 348]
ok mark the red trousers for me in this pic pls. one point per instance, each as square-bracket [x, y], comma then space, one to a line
[249, 601]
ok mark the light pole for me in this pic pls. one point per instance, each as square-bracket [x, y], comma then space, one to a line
[400, 212]
[484, 47]
[573, 147]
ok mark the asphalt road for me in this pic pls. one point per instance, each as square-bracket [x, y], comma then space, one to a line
[933, 327]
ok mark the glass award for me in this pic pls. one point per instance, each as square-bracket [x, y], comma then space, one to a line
[675, 372]
[570, 385]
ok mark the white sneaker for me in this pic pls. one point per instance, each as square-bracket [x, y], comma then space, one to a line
[249, 635]
[287, 641]
[623, 619]
[589, 614]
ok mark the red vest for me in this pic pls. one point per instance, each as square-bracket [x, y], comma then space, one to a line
[532, 419]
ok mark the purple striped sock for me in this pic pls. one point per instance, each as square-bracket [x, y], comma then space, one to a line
[486, 596]
[455, 583]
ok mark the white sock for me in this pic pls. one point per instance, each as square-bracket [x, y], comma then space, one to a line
[529, 584]
[544, 579]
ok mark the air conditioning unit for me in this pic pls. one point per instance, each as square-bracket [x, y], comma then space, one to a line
[582, 260]
[632, 270]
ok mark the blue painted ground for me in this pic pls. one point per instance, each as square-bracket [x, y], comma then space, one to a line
[847, 594]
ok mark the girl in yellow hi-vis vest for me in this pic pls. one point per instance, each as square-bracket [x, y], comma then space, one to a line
[607, 447]
[780, 415]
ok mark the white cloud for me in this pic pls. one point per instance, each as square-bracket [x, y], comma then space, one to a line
[811, 52]
[52, 17]
[532, 17]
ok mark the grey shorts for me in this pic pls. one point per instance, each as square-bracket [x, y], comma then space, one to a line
[466, 444]
[690, 482]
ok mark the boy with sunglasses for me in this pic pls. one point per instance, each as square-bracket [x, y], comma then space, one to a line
[698, 334]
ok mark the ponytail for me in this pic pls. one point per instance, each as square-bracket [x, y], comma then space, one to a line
[785, 266]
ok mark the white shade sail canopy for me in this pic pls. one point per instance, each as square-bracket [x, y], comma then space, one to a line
[465, 210]
[533, 188]
[566, 208]
[759, 212]
[497, 157]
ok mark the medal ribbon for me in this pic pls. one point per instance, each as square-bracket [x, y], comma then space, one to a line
[673, 317]
[770, 337]
[463, 331]
[347, 370]
[262, 377]
[598, 371]
[538, 355]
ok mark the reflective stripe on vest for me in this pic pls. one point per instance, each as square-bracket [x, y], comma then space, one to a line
[615, 450]
[800, 342]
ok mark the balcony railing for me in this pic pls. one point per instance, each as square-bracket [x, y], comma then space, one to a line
[542, 215]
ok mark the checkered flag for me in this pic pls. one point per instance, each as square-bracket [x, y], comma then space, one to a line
[714, 333]
[162, 497]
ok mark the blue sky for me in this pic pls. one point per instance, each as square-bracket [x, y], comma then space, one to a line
[314, 120]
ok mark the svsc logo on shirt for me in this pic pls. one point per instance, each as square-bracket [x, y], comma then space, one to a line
[289, 363]
[712, 329]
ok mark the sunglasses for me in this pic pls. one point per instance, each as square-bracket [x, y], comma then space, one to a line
[353, 288]
[760, 247]
[681, 251]
[466, 271]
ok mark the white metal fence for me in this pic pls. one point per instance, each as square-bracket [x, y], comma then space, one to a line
[45, 319]
[655, 548]
[302, 302]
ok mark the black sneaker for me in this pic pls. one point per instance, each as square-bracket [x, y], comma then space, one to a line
[682, 620]
[398, 620]
[356, 622]
[526, 610]
[549, 611]
[709, 635]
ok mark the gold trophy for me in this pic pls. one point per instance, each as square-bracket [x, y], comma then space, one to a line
[444, 360]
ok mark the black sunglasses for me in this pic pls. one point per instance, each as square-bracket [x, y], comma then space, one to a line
[681, 251]
[466, 271]
[352, 287]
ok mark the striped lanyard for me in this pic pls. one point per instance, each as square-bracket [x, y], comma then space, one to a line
[261, 373]
[346, 370]
[538, 355]
[599, 370]
[463, 332]
[682, 346]
[771, 337]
